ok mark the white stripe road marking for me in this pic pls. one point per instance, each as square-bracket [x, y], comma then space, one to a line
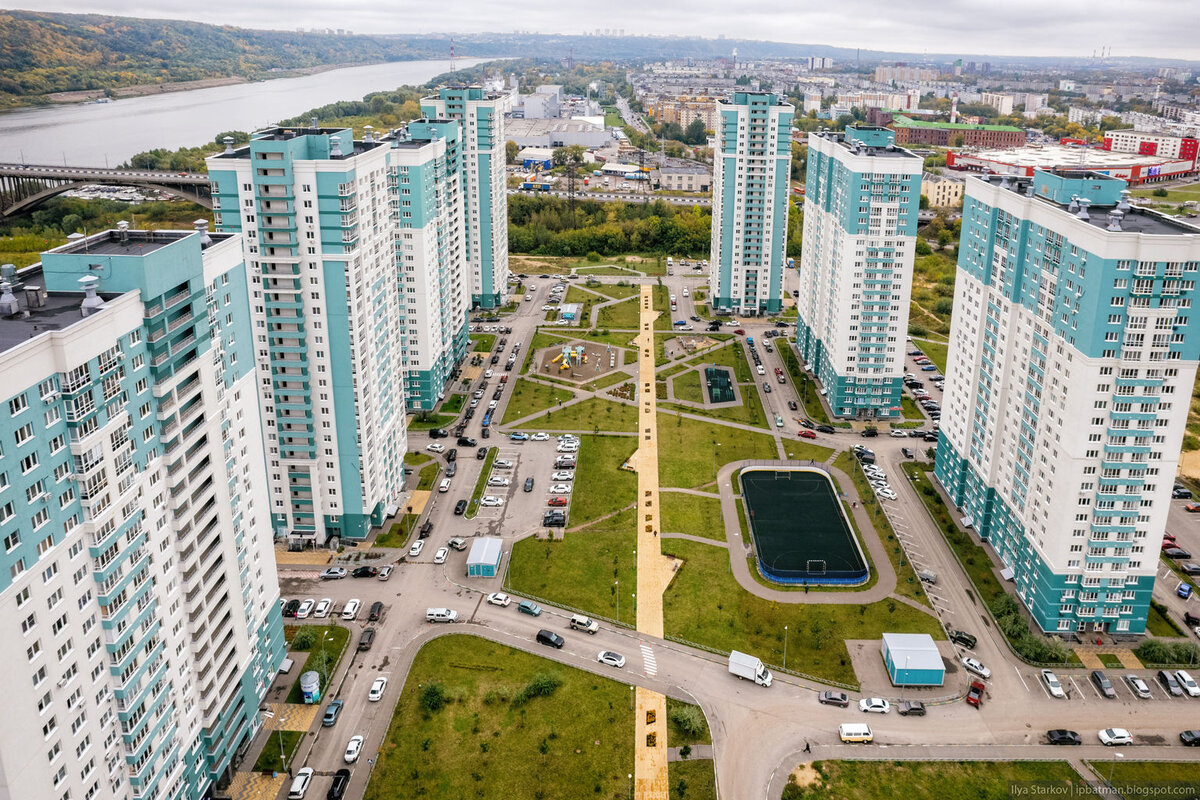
[650, 665]
[1021, 678]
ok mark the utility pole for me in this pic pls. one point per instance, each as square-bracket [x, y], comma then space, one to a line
[642, 173]
[571, 190]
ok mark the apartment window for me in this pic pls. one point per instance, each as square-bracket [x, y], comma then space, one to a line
[17, 405]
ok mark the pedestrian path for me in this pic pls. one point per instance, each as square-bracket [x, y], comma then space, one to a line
[654, 570]
[256, 786]
[650, 664]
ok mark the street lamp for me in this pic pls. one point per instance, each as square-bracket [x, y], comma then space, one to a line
[617, 583]
[631, 786]
[785, 627]
[1113, 767]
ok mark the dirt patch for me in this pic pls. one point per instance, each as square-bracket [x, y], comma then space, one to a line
[805, 775]
[1189, 464]
[585, 360]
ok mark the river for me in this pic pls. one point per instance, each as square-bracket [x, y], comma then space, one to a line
[107, 134]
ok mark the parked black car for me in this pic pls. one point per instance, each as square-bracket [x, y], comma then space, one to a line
[365, 572]
[481, 453]
[460, 508]
[962, 638]
[438, 433]
[1104, 684]
[825, 429]
[341, 781]
[1063, 736]
[376, 611]
[466, 441]
[366, 640]
[290, 609]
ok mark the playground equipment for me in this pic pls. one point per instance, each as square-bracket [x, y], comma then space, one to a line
[570, 356]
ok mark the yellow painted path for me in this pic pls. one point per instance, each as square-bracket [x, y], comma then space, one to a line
[653, 568]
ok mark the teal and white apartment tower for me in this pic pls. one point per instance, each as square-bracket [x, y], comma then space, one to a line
[860, 235]
[483, 183]
[320, 237]
[139, 586]
[425, 179]
[751, 170]
[1073, 353]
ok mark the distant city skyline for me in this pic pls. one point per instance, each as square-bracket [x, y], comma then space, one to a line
[1017, 28]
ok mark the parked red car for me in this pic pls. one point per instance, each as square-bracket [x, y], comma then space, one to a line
[740, 332]
[975, 694]
[556, 501]
[807, 435]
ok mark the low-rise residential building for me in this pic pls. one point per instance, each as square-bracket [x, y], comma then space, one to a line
[682, 178]
[942, 191]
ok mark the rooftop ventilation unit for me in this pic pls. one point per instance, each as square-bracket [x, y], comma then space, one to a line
[123, 232]
[369, 133]
[228, 140]
[201, 226]
[1083, 208]
[1123, 206]
[1073, 206]
[335, 147]
[1114, 220]
[35, 297]
[91, 303]
[8, 301]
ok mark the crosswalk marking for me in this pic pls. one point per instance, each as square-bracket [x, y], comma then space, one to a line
[650, 666]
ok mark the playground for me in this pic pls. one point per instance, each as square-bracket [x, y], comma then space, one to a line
[578, 360]
[800, 529]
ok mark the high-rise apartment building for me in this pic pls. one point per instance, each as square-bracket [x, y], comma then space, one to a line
[139, 586]
[483, 184]
[860, 226]
[320, 240]
[425, 179]
[1072, 357]
[751, 171]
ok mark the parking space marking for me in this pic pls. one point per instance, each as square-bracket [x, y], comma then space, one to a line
[1078, 691]
[1021, 678]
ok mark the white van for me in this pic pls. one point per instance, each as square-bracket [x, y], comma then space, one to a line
[855, 732]
[582, 623]
[444, 486]
[351, 609]
[300, 784]
[441, 615]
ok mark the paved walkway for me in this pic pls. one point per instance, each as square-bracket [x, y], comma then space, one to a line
[654, 570]
[1089, 656]
[256, 786]
[699, 752]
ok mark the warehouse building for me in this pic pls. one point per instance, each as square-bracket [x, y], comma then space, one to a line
[484, 559]
[913, 659]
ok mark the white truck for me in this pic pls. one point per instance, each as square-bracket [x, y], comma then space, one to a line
[748, 667]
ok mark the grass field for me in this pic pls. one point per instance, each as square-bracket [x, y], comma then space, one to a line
[279, 751]
[615, 290]
[689, 387]
[803, 451]
[705, 604]
[453, 404]
[478, 719]
[692, 780]
[750, 412]
[599, 465]
[583, 569]
[699, 449]
[732, 356]
[687, 513]
[806, 387]
[397, 535]
[619, 315]
[592, 414]
[932, 780]
[323, 660]
[936, 351]
[530, 397]
[481, 483]
[426, 421]
[1153, 780]
[427, 476]
[484, 342]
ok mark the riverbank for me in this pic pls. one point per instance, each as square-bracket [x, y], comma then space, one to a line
[146, 89]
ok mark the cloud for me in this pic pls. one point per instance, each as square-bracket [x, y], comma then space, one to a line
[1157, 28]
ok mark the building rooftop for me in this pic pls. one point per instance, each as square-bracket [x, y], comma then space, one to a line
[533, 127]
[129, 242]
[1050, 156]
[908, 122]
[685, 169]
[868, 141]
[57, 310]
[1096, 210]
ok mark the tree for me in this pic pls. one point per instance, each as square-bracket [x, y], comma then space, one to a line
[695, 133]
[924, 202]
[510, 151]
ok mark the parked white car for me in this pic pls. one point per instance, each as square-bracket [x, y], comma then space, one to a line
[874, 705]
[491, 501]
[499, 599]
[540, 436]
[353, 749]
[496, 480]
[323, 606]
[1053, 686]
[436, 447]
[440, 556]
[563, 476]
[416, 548]
[560, 488]
[305, 610]
[1114, 736]
[976, 666]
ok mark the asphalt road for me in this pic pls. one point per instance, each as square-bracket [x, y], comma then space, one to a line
[1011, 724]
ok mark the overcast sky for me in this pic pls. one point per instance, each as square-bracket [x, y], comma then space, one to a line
[1157, 28]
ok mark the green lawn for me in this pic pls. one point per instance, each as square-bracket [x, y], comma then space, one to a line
[1153, 780]
[481, 483]
[398, 535]
[529, 397]
[478, 719]
[750, 412]
[806, 388]
[935, 780]
[688, 387]
[936, 352]
[599, 465]
[605, 381]
[427, 476]
[323, 660]
[625, 314]
[687, 513]
[698, 449]
[425, 421]
[624, 272]
[706, 605]
[592, 414]
[412, 459]
[586, 299]
[453, 404]
[803, 451]
[1158, 623]
[907, 584]
[696, 778]
[732, 356]
[280, 745]
[583, 569]
[615, 290]
[484, 342]
[1110, 660]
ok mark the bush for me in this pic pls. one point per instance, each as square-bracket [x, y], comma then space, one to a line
[1157, 651]
[433, 698]
[543, 685]
[305, 638]
[923, 248]
[1160, 192]
[689, 720]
